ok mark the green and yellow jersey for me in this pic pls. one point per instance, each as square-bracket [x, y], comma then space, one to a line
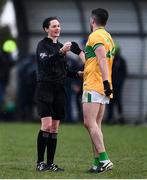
[92, 75]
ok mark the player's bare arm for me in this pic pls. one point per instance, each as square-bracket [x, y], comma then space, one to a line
[101, 57]
[82, 56]
[76, 50]
[102, 61]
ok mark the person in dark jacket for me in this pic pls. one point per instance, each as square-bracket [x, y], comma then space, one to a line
[119, 73]
[26, 87]
[6, 63]
[50, 93]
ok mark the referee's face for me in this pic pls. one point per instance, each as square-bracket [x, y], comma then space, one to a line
[54, 28]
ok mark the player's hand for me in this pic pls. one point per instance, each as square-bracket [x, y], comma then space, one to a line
[107, 89]
[75, 48]
[66, 47]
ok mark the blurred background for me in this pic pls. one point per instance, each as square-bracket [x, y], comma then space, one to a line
[21, 29]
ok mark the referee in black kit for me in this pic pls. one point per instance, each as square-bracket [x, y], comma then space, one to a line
[50, 94]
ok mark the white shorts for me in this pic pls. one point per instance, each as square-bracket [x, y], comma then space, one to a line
[93, 96]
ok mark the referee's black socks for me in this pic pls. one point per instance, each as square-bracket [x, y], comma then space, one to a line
[51, 147]
[41, 144]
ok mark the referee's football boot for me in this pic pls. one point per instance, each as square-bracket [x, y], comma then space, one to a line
[42, 167]
[55, 168]
[102, 167]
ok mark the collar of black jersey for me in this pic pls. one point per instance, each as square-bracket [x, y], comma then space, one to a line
[49, 40]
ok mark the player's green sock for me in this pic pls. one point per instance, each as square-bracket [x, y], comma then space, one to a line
[96, 161]
[103, 156]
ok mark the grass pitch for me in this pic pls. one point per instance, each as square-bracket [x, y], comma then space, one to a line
[126, 146]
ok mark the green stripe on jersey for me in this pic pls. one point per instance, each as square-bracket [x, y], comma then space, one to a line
[111, 53]
[89, 97]
[97, 45]
[89, 53]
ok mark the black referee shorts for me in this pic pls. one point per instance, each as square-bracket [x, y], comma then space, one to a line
[50, 99]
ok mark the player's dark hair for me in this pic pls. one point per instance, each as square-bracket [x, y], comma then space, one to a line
[100, 15]
[47, 21]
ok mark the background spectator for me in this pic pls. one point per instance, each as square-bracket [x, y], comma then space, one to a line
[119, 74]
[26, 87]
[6, 63]
[74, 91]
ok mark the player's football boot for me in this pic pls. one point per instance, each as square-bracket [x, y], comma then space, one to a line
[102, 167]
[92, 169]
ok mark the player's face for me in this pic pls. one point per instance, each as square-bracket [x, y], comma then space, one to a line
[54, 28]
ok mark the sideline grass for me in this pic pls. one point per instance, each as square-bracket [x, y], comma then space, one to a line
[127, 147]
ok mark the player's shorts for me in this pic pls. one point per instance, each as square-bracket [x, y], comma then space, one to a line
[94, 97]
[50, 100]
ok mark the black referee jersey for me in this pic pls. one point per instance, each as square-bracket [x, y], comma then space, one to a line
[51, 65]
